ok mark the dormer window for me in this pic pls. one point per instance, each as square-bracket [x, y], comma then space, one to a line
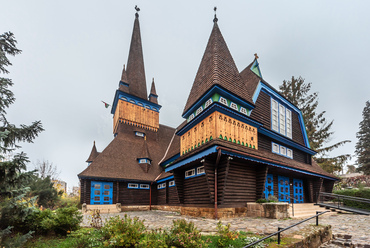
[144, 161]
[234, 106]
[199, 110]
[208, 102]
[223, 101]
[140, 134]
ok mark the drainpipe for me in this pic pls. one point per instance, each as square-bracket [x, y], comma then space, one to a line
[150, 196]
[216, 165]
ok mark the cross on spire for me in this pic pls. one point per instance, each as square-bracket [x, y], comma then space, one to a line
[215, 19]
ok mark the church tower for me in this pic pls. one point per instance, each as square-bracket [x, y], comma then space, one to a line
[219, 105]
[131, 104]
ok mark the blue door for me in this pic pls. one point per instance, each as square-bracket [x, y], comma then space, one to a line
[284, 191]
[101, 193]
[269, 186]
[298, 190]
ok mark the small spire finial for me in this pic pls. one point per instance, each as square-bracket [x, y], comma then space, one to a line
[153, 80]
[215, 19]
[256, 56]
[137, 11]
[124, 67]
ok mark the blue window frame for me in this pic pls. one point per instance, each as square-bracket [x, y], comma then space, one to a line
[101, 193]
[269, 186]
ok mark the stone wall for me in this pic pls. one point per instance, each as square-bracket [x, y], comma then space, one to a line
[272, 210]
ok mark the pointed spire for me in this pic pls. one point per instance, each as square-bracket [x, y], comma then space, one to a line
[135, 63]
[153, 97]
[217, 68]
[94, 153]
[124, 84]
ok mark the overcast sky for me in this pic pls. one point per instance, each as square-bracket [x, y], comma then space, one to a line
[73, 53]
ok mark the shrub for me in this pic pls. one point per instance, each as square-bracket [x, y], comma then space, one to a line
[261, 200]
[124, 232]
[363, 193]
[86, 237]
[226, 236]
[39, 221]
[272, 198]
[185, 235]
[154, 238]
[66, 220]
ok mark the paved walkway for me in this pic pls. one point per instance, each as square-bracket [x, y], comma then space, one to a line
[358, 226]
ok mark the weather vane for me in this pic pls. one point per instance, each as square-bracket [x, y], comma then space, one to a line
[137, 11]
[215, 19]
[256, 56]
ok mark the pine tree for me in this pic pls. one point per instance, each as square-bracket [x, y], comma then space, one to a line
[319, 130]
[14, 205]
[363, 143]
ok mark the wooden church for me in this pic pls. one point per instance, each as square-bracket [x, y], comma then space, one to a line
[241, 141]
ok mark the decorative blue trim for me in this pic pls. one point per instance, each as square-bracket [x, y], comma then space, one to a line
[258, 68]
[123, 83]
[144, 102]
[165, 179]
[152, 95]
[272, 92]
[221, 91]
[199, 155]
[284, 140]
[222, 109]
[170, 160]
[277, 165]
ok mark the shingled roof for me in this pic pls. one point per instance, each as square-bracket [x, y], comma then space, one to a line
[93, 154]
[119, 159]
[135, 64]
[217, 68]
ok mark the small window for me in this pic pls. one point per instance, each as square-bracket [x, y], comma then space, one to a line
[163, 185]
[106, 198]
[97, 198]
[97, 192]
[97, 186]
[142, 161]
[275, 148]
[208, 102]
[200, 170]
[223, 101]
[283, 150]
[155, 109]
[105, 192]
[144, 186]
[171, 183]
[199, 110]
[133, 186]
[140, 134]
[159, 186]
[234, 106]
[140, 104]
[106, 186]
[146, 106]
[243, 110]
[191, 117]
[189, 173]
[289, 153]
[124, 98]
[132, 101]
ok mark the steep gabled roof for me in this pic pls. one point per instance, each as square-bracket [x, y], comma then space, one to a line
[135, 64]
[217, 68]
[93, 154]
[119, 159]
[250, 79]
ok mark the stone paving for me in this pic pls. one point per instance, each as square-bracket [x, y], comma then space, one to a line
[357, 226]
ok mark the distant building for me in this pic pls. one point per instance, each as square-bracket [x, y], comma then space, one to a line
[241, 140]
[60, 185]
[75, 191]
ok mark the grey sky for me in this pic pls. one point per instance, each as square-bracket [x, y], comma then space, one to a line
[73, 53]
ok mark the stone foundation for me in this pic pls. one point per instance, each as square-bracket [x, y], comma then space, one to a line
[272, 210]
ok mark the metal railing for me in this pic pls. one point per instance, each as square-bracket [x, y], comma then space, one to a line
[280, 230]
[292, 201]
[343, 202]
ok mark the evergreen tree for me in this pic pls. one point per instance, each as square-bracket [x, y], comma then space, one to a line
[363, 143]
[319, 130]
[14, 205]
